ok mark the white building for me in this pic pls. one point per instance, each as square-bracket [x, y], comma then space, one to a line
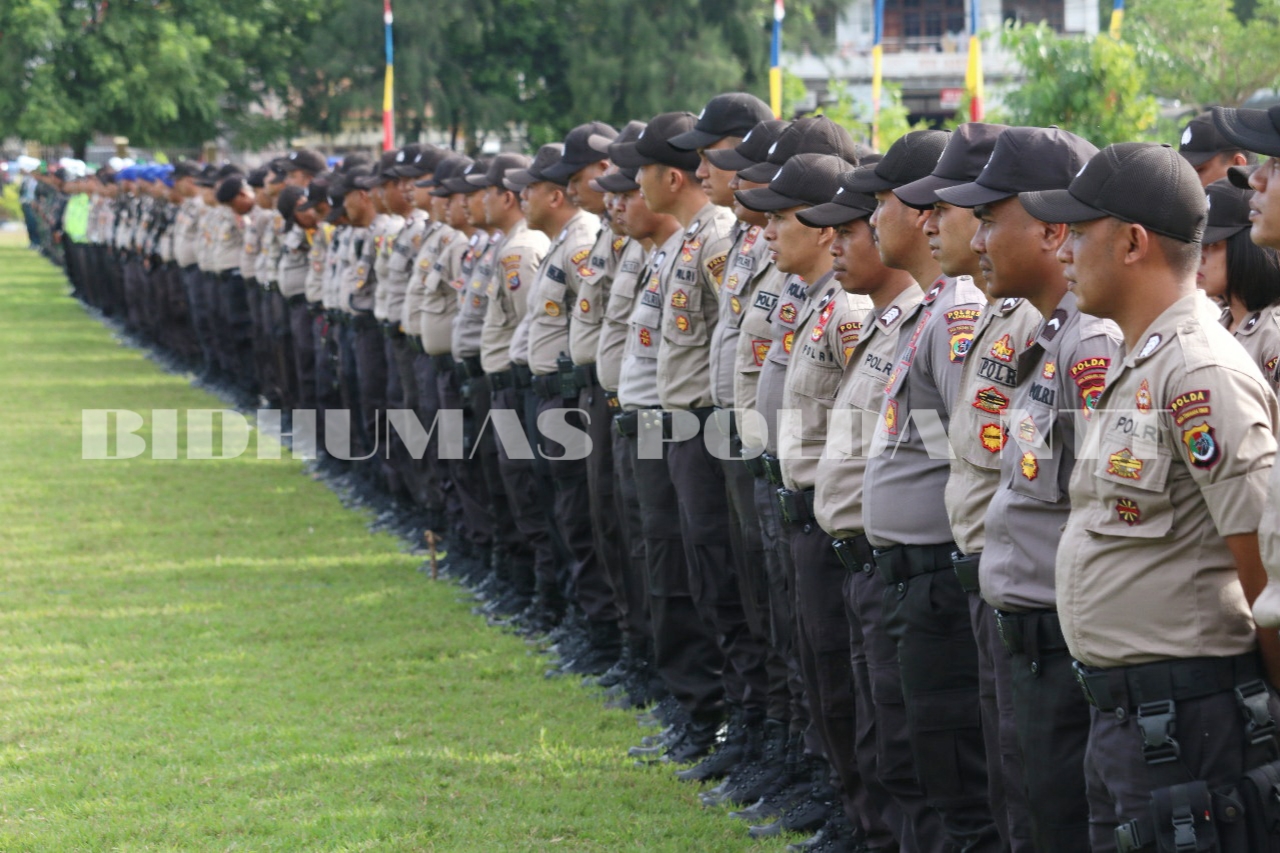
[926, 48]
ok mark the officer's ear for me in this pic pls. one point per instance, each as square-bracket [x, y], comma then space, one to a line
[826, 236]
[1134, 242]
[1052, 235]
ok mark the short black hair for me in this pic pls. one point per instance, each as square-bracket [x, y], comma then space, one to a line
[1253, 272]
[229, 189]
[1182, 256]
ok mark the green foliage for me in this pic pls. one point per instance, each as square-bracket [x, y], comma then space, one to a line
[1201, 52]
[10, 206]
[856, 116]
[1093, 87]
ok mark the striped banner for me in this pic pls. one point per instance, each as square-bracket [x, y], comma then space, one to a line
[775, 60]
[389, 86]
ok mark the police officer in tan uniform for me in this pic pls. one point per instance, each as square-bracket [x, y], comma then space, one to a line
[226, 254]
[925, 609]
[1153, 592]
[1058, 375]
[994, 336]
[813, 374]
[881, 747]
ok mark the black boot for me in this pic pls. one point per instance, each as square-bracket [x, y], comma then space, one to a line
[751, 779]
[741, 737]
[699, 738]
[809, 813]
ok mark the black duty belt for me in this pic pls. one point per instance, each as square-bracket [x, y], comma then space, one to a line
[855, 553]
[502, 380]
[901, 563]
[471, 366]
[524, 376]
[627, 424]
[548, 386]
[297, 299]
[585, 375]
[1131, 687]
[443, 363]
[1031, 632]
[797, 505]
[966, 566]
[364, 321]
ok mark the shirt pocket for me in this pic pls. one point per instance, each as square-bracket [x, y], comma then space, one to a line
[1036, 454]
[683, 323]
[1131, 479]
[813, 388]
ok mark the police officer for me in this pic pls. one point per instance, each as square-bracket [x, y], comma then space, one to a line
[258, 278]
[881, 747]
[1178, 450]
[995, 335]
[1058, 376]
[1211, 153]
[925, 608]
[235, 333]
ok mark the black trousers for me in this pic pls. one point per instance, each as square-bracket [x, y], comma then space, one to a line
[606, 526]
[197, 303]
[432, 474]
[928, 618]
[780, 571]
[466, 474]
[529, 513]
[634, 602]
[236, 333]
[686, 655]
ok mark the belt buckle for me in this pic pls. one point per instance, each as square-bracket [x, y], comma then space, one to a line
[1156, 722]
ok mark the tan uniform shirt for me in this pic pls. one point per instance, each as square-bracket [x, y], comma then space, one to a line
[1030, 505]
[859, 400]
[617, 315]
[638, 380]
[319, 240]
[259, 220]
[441, 293]
[295, 263]
[416, 293]
[272, 250]
[745, 262]
[354, 270]
[519, 256]
[1000, 335]
[692, 309]
[468, 326]
[210, 223]
[1259, 334]
[555, 289]
[830, 326]
[1176, 457]
[784, 323]
[757, 303]
[399, 269]
[907, 473]
[595, 276]
[385, 239]
[339, 237]
[227, 250]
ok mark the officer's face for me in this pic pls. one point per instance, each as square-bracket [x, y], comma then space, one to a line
[746, 215]
[611, 207]
[492, 201]
[422, 198]
[458, 211]
[792, 243]
[579, 189]
[896, 228]
[305, 218]
[1212, 275]
[1008, 246]
[634, 215]
[1090, 253]
[949, 230]
[297, 178]
[652, 179]
[715, 182]
[855, 261]
[1264, 207]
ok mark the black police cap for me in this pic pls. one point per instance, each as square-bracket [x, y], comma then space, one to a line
[1139, 182]
[1201, 141]
[1025, 159]
[497, 169]
[653, 145]
[810, 135]
[584, 145]
[909, 159]
[730, 114]
[805, 180]
[845, 206]
[753, 149]
[547, 156]
[1228, 207]
[968, 149]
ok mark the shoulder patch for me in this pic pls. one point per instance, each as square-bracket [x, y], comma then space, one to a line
[715, 266]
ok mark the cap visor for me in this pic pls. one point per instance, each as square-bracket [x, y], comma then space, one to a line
[1059, 206]
[867, 181]
[458, 185]
[429, 182]
[616, 183]
[478, 182]
[625, 155]
[1195, 158]
[692, 140]
[517, 179]
[728, 160]
[972, 195]
[335, 214]
[1239, 176]
[1252, 130]
[765, 199]
[1218, 233]
[760, 173]
[830, 215]
[924, 192]
[561, 172]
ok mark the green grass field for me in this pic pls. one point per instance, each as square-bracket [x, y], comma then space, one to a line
[215, 655]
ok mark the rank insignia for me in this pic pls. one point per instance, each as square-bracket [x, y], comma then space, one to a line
[1143, 397]
[992, 438]
[760, 349]
[584, 306]
[991, 401]
[787, 341]
[1128, 511]
[887, 318]
[552, 309]
[1202, 447]
[1027, 429]
[682, 323]
[787, 313]
[1030, 466]
[1002, 350]
[1125, 465]
[1152, 344]
[1050, 370]
[680, 299]
[891, 417]
[646, 339]
[735, 305]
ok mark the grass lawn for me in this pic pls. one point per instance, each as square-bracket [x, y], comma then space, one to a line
[215, 655]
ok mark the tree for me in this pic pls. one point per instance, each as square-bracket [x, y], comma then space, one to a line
[1093, 87]
[855, 116]
[1200, 51]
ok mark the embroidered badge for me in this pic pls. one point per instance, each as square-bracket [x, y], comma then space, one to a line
[1193, 404]
[1271, 363]
[1202, 446]
[646, 339]
[891, 417]
[1030, 466]
[1050, 370]
[1002, 350]
[579, 257]
[1125, 465]
[991, 401]
[682, 323]
[821, 325]
[735, 305]
[584, 306]
[1090, 376]
[680, 299]
[992, 437]
[959, 346]
[716, 265]
[787, 341]
[689, 247]
[787, 313]
[1143, 397]
[962, 315]
[552, 309]
[760, 349]
[1152, 344]
[1128, 511]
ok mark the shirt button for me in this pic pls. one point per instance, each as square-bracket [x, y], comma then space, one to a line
[867, 568]
[902, 587]
[1121, 713]
[1035, 667]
